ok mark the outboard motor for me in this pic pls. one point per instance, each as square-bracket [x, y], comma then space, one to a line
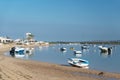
[109, 50]
[12, 51]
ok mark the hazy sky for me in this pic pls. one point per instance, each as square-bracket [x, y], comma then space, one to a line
[61, 19]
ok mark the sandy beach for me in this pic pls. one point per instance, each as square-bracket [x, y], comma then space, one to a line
[18, 69]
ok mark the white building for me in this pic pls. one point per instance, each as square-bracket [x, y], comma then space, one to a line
[18, 41]
[5, 40]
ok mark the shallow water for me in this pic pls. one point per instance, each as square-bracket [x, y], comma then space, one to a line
[97, 60]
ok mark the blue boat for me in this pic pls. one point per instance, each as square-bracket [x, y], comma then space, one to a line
[77, 62]
[17, 52]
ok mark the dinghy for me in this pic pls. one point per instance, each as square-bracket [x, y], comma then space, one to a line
[77, 62]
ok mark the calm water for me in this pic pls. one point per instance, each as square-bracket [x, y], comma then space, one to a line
[97, 60]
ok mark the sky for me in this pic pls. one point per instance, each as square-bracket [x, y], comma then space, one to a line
[56, 20]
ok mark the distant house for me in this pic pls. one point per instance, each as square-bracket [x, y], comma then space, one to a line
[42, 43]
[18, 41]
[5, 40]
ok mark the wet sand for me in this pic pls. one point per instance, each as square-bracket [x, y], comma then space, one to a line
[17, 69]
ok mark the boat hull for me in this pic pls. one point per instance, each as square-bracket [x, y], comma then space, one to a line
[19, 56]
[78, 62]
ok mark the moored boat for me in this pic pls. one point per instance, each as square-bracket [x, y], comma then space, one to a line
[84, 47]
[63, 49]
[77, 62]
[28, 51]
[105, 49]
[77, 52]
[17, 52]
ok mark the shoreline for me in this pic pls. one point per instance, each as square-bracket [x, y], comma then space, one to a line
[18, 69]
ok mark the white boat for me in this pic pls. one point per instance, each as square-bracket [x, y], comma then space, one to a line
[78, 55]
[28, 51]
[63, 49]
[105, 49]
[84, 47]
[17, 52]
[78, 62]
[77, 52]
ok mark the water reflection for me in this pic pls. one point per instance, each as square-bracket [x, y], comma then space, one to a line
[105, 54]
[41, 48]
[85, 50]
[29, 52]
[63, 51]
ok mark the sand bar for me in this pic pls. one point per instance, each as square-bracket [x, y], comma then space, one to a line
[17, 69]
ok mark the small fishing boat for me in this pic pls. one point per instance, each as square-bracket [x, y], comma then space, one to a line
[77, 62]
[84, 47]
[17, 52]
[78, 55]
[71, 48]
[28, 51]
[63, 49]
[77, 52]
[105, 49]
